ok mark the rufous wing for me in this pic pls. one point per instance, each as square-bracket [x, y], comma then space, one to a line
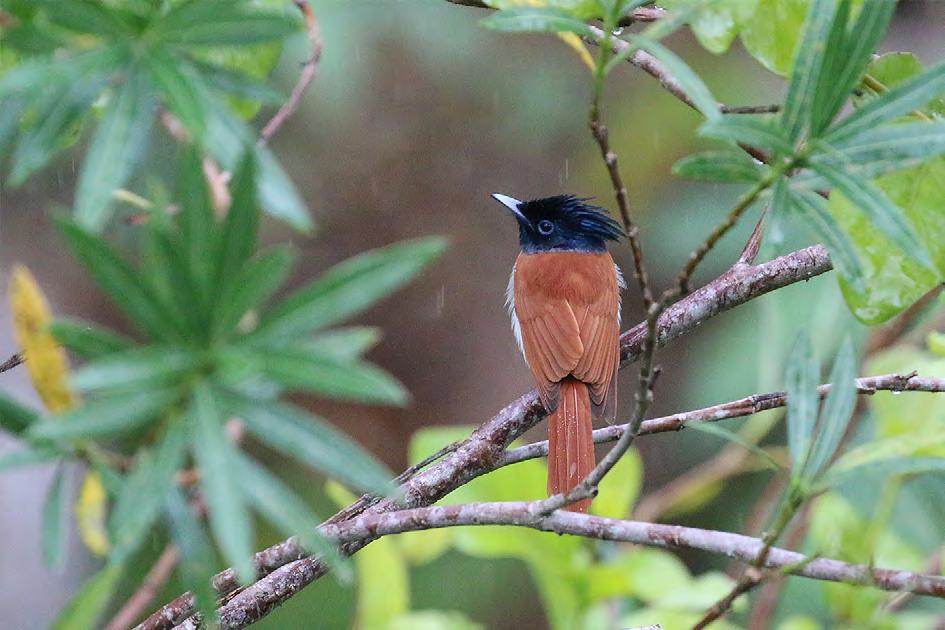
[567, 308]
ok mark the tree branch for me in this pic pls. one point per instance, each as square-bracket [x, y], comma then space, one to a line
[153, 583]
[526, 514]
[309, 71]
[11, 363]
[485, 446]
[746, 406]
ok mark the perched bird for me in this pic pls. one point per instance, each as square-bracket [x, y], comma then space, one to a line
[564, 300]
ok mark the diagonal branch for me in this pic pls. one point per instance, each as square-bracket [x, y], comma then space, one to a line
[485, 446]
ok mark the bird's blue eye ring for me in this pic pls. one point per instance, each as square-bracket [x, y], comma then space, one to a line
[545, 227]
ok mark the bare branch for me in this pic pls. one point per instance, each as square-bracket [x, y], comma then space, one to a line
[239, 612]
[153, 583]
[11, 363]
[735, 409]
[750, 109]
[309, 71]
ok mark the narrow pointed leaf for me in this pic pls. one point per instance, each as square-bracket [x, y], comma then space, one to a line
[116, 145]
[885, 215]
[197, 562]
[301, 435]
[87, 16]
[802, 376]
[756, 132]
[179, 87]
[890, 148]
[349, 288]
[88, 340]
[55, 515]
[241, 225]
[734, 438]
[23, 456]
[106, 415]
[229, 517]
[253, 285]
[86, 607]
[911, 94]
[720, 166]
[142, 494]
[863, 38]
[284, 509]
[142, 367]
[691, 83]
[14, 417]
[233, 27]
[813, 208]
[536, 20]
[120, 282]
[837, 411]
[799, 102]
[343, 344]
[297, 369]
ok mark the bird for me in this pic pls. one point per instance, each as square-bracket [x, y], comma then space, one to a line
[564, 299]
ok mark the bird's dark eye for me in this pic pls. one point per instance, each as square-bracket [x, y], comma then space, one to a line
[545, 227]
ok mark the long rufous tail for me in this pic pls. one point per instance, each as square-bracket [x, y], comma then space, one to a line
[570, 441]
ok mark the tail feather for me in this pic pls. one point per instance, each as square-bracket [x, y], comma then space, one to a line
[570, 441]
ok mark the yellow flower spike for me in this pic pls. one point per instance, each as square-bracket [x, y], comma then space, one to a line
[45, 359]
[91, 514]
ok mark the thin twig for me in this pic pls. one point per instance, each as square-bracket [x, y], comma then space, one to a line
[486, 444]
[11, 363]
[742, 407]
[750, 109]
[306, 76]
[153, 583]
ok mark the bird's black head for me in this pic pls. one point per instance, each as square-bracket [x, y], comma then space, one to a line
[561, 223]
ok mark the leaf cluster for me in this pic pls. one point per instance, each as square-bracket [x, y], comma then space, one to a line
[80, 62]
[214, 345]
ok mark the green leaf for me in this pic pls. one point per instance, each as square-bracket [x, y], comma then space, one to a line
[691, 83]
[179, 87]
[88, 340]
[229, 517]
[238, 27]
[802, 400]
[42, 73]
[884, 214]
[297, 369]
[837, 411]
[284, 509]
[891, 69]
[813, 209]
[750, 130]
[798, 111]
[197, 563]
[142, 494]
[116, 145]
[343, 344]
[715, 24]
[294, 432]
[349, 288]
[58, 116]
[29, 456]
[898, 101]
[537, 20]
[894, 279]
[889, 148]
[730, 436]
[141, 367]
[120, 282]
[721, 166]
[55, 517]
[237, 84]
[850, 58]
[86, 607]
[887, 466]
[87, 16]
[14, 417]
[118, 413]
[255, 282]
[241, 225]
[196, 226]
